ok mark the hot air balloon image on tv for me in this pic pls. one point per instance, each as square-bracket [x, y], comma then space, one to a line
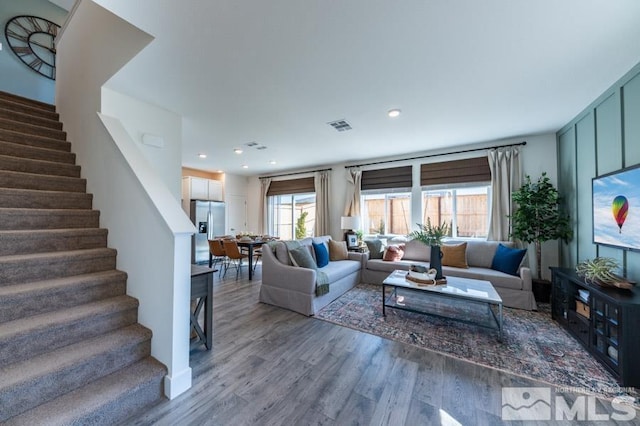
[620, 208]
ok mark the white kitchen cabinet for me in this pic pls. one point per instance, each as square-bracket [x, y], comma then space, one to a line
[196, 188]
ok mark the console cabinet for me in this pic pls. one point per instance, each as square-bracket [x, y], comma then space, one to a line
[605, 320]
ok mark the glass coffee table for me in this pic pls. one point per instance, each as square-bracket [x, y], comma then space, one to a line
[461, 299]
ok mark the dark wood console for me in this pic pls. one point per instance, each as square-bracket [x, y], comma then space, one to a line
[605, 320]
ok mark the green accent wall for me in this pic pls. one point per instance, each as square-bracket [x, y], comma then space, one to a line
[16, 77]
[603, 138]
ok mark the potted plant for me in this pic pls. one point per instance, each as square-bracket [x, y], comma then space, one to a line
[537, 219]
[432, 235]
[602, 271]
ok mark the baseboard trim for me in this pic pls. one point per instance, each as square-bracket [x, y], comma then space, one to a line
[177, 384]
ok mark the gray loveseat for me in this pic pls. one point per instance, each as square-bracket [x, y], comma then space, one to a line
[294, 288]
[515, 290]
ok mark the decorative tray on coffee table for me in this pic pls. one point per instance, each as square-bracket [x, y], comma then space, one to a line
[426, 281]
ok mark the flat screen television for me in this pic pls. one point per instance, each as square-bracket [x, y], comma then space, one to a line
[616, 209]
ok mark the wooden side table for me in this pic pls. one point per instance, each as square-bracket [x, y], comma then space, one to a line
[202, 296]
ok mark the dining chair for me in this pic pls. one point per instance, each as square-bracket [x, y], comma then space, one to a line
[217, 255]
[234, 255]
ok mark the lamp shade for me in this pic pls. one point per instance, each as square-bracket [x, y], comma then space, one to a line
[350, 222]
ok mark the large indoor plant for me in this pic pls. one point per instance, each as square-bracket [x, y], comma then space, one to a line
[432, 235]
[537, 217]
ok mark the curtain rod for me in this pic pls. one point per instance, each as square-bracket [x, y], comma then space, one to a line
[436, 155]
[294, 173]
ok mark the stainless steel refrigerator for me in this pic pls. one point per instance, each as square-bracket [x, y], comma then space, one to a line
[209, 219]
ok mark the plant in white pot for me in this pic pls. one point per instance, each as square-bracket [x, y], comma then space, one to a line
[432, 235]
[537, 217]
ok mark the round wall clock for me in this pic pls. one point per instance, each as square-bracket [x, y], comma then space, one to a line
[32, 40]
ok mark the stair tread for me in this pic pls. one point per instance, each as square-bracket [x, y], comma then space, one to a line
[29, 175]
[55, 283]
[59, 318]
[26, 192]
[45, 162]
[32, 152]
[12, 114]
[104, 392]
[57, 255]
[69, 355]
[27, 101]
[38, 233]
[31, 129]
[12, 134]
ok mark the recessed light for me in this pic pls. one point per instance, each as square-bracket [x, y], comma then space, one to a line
[272, 162]
[202, 155]
[220, 171]
[244, 166]
[237, 151]
[393, 113]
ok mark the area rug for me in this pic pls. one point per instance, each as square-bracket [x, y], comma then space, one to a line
[532, 345]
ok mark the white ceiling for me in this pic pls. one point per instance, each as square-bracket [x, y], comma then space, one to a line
[462, 71]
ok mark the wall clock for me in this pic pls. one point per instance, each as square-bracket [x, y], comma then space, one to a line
[32, 40]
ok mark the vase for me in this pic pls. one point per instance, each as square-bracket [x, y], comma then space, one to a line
[436, 261]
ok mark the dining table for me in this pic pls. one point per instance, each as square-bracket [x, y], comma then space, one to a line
[249, 245]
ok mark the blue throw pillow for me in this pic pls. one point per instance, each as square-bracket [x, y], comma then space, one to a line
[507, 260]
[322, 254]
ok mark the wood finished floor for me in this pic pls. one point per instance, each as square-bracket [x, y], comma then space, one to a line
[270, 366]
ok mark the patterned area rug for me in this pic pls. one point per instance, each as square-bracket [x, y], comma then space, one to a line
[533, 345]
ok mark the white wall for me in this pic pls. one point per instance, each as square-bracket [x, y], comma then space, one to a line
[538, 155]
[140, 118]
[145, 221]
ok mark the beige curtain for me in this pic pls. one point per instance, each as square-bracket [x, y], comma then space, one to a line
[263, 227]
[505, 178]
[354, 179]
[322, 203]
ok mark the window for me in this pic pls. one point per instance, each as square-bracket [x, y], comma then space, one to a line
[292, 216]
[465, 208]
[291, 208]
[386, 213]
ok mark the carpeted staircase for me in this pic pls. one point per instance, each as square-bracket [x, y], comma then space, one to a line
[71, 349]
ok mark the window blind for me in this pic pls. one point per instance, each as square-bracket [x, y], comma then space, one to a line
[292, 186]
[457, 171]
[396, 177]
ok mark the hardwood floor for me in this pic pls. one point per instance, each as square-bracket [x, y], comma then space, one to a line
[270, 366]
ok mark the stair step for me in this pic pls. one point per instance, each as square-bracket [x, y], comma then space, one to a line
[33, 140]
[24, 268]
[22, 300]
[36, 199]
[42, 241]
[36, 153]
[32, 103]
[27, 384]
[11, 218]
[28, 110]
[39, 334]
[110, 400]
[10, 179]
[9, 113]
[27, 165]
[32, 129]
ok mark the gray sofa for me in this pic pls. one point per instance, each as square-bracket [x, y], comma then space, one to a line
[515, 291]
[294, 288]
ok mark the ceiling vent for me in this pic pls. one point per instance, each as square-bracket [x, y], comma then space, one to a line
[261, 147]
[251, 144]
[340, 125]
